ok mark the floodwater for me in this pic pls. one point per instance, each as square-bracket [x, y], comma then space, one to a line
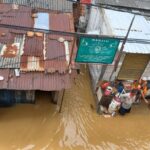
[77, 127]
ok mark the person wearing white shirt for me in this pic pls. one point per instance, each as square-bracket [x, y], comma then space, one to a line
[127, 100]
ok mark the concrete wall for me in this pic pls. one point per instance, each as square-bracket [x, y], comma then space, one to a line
[97, 24]
[147, 71]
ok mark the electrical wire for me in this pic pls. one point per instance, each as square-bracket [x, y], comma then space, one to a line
[54, 58]
[132, 10]
[23, 62]
[75, 34]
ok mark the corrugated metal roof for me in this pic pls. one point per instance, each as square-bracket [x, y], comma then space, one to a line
[114, 23]
[19, 17]
[32, 63]
[34, 46]
[139, 30]
[51, 82]
[58, 5]
[5, 8]
[34, 81]
[59, 22]
[46, 54]
[4, 73]
[12, 62]
[57, 54]
[143, 4]
[6, 36]
[53, 51]
[24, 82]
[52, 66]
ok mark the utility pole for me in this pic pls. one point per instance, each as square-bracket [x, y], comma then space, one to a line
[61, 101]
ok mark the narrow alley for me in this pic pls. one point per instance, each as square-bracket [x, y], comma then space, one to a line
[77, 127]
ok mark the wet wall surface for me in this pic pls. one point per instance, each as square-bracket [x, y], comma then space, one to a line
[78, 126]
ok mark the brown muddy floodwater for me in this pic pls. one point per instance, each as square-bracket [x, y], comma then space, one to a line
[77, 127]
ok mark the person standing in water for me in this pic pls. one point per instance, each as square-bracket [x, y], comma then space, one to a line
[127, 100]
[145, 91]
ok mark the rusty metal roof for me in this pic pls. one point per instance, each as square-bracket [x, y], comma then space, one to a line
[61, 22]
[34, 81]
[51, 82]
[56, 55]
[54, 52]
[34, 46]
[6, 36]
[42, 60]
[142, 4]
[52, 66]
[19, 17]
[56, 5]
[11, 62]
[32, 63]
[4, 73]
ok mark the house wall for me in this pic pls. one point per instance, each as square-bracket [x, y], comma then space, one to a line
[110, 69]
[95, 71]
[147, 72]
[78, 10]
[7, 98]
[10, 97]
[24, 96]
[98, 24]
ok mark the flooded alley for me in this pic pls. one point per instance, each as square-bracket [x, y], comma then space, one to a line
[78, 127]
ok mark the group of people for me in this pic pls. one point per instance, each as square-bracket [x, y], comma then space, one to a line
[121, 100]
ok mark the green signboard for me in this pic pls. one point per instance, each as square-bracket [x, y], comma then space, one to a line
[92, 50]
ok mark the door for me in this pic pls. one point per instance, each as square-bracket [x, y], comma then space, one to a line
[133, 66]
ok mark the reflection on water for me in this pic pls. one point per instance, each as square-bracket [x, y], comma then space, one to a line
[77, 127]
